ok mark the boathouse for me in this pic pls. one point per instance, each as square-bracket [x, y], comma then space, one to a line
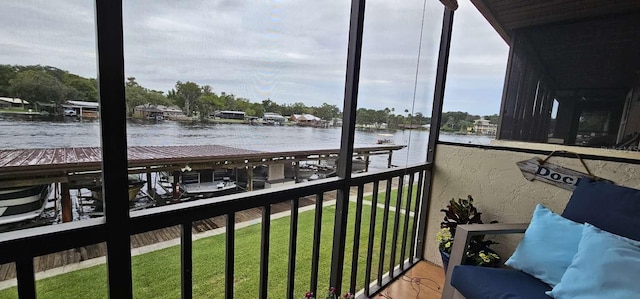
[77, 168]
[46, 107]
[148, 111]
[305, 118]
[308, 120]
[82, 108]
[6, 102]
[172, 112]
[239, 115]
[273, 117]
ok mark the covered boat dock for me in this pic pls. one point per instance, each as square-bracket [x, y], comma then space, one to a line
[75, 168]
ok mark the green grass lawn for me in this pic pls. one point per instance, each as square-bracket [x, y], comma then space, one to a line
[13, 109]
[157, 274]
[393, 198]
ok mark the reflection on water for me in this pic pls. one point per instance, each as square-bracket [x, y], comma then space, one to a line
[17, 133]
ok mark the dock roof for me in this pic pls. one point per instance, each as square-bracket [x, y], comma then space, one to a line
[83, 104]
[13, 100]
[22, 162]
[87, 158]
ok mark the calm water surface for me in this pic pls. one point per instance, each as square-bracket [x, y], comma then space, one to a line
[21, 133]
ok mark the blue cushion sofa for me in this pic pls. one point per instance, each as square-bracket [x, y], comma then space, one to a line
[612, 208]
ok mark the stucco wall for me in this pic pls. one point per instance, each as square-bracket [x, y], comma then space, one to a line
[499, 189]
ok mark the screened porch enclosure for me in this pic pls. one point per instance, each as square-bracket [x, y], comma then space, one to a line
[370, 247]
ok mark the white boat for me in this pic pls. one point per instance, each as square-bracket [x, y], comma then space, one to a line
[156, 117]
[312, 172]
[209, 189]
[384, 139]
[135, 185]
[24, 203]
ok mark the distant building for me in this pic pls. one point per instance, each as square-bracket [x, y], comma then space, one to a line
[230, 114]
[273, 117]
[158, 111]
[484, 127]
[308, 120]
[43, 107]
[304, 118]
[82, 109]
[148, 111]
[12, 102]
[173, 112]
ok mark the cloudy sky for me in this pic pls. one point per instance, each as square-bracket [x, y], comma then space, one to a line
[286, 50]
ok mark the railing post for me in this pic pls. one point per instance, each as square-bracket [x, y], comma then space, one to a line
[346, 144]
[264, 252]
[114, 145]
[372, 232]
[26, 278]
[356, 240]
[186, 260]
[229, 261]
[315, 255]
[436, 120]
[293, 243]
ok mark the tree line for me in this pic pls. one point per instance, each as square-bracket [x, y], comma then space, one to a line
[45, 84]
[458, 121]
[200, 101]
[52, 85]
[387, 116]
[48, 84]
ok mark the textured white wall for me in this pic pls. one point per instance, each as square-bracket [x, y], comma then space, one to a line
[501, 192]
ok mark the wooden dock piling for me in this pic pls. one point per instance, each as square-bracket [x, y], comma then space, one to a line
[67, 214]
[150, 188]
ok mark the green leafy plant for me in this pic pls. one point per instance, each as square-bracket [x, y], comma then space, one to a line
[462, 211]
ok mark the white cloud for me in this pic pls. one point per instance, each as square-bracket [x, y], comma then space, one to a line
[476, 66]
[286, 50]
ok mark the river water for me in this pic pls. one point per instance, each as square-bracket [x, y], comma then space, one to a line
[24, 132]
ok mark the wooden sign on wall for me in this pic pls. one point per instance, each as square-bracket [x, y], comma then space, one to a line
[565, 178]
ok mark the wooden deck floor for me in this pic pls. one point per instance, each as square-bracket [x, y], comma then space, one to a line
[71, 256]
[424, 281]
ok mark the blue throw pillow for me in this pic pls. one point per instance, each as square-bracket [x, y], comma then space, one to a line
[606, 266]
[548, 246]
[607, 206]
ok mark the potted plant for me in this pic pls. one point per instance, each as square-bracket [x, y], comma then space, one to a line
[478, 253]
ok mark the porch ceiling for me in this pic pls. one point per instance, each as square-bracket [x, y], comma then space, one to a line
[507, 15]
[582, 45]
[598, 54]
